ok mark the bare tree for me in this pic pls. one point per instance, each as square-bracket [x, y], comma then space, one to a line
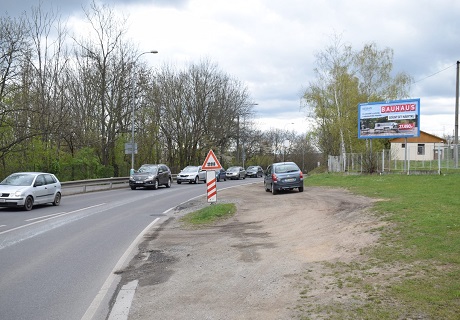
[199, 108]
[13, 45]
[102, 53]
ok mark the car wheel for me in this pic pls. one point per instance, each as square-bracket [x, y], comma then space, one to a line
[155, 184]
[133, 188]
[300, 189]
[196, 180]
[178, 182]
[57, 199]
[168, 185]
[29, 203]
[273, 190]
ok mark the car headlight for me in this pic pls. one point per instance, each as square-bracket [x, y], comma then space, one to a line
[18, 194]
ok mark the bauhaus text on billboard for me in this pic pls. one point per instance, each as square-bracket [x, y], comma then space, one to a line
[394, 119]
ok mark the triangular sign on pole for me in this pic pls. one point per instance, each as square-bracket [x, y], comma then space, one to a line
[211, 162]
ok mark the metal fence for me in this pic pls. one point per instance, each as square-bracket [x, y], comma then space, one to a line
[444, 158]
[83, 186]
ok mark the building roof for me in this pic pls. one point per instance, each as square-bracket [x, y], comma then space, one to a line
[424, 137]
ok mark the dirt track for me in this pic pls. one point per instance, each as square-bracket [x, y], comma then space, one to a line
[254, 265]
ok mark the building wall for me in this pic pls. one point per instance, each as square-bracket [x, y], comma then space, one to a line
[431, 142]
[430, 152]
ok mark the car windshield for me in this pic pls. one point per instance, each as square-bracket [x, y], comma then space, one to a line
[252, 168]
[149, 169]
[233, 169]
[190, 169]
[285, 168]
[19, 180]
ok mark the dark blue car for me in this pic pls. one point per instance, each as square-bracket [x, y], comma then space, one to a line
[283, 176]
[221, 174]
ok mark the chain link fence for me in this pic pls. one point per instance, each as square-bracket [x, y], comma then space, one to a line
[443, 158]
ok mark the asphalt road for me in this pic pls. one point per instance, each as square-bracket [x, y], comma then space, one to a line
[55, 261]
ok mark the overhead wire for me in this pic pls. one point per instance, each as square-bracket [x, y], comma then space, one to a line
[431, 75]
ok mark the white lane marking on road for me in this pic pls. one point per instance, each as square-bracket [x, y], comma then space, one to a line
[49, 218]
[43, 217]
[120, 310]
[92, 309]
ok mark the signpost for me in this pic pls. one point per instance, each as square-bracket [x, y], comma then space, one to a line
[211, 164]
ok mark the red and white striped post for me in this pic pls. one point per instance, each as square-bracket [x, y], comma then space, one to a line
[211, 185]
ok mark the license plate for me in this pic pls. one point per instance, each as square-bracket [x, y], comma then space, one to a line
[289, 180]
[139, 181]
[2, 200]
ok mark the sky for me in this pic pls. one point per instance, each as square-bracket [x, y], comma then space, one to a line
[270, 45]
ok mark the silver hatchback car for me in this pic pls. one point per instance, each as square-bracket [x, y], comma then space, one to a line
[236, 173]
[283, 176]
[26, 189]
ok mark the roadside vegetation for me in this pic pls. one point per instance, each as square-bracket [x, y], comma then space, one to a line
[210, 214]
[414, 270]
[73, 107]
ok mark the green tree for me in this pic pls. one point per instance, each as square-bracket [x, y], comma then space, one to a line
[345, 78]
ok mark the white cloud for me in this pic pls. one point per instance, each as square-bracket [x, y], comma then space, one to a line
[271, 45]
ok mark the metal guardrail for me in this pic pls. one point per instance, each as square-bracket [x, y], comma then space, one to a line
[83, 186]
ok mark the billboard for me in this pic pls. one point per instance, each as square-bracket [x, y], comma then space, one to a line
[388, 120]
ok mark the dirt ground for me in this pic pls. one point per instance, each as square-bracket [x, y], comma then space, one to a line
[266, 262]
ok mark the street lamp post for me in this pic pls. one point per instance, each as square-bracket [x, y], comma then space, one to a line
[243, 134]
[132, 107]
[284, 144]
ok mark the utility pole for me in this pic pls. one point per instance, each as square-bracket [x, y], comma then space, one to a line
[456, 116]
[237, 139]
[133, 79]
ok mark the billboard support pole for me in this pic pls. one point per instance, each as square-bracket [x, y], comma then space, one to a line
[383, 160]
[405, 153]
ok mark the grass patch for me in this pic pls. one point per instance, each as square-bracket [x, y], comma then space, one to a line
[418, 257]
[210, 214]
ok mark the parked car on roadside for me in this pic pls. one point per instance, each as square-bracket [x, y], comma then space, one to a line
[236, 173]
[221, 174]
[283, 176]
[191, 174]
[26, 189]
[151, 176]
[254, 171]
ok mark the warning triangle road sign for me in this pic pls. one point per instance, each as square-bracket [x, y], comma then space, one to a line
[211, 162]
